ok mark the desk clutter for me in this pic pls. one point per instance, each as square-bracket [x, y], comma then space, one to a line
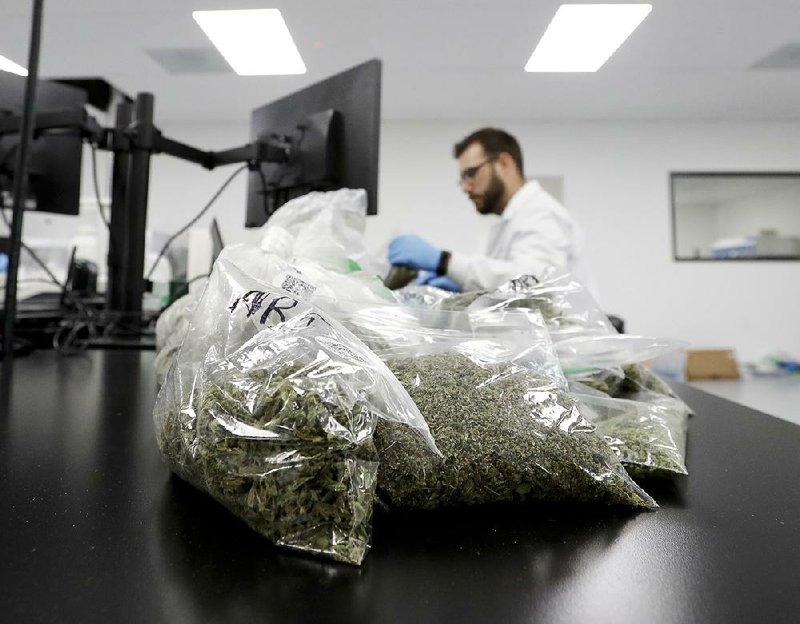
[302, 392]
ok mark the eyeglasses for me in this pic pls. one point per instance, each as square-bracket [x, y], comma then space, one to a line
[468, 175]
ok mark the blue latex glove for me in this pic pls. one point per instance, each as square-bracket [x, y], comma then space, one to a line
[440, 281]
[414, 251]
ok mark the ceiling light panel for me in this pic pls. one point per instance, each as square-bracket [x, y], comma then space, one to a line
[8, 65]
[254, 42]
[581, 37]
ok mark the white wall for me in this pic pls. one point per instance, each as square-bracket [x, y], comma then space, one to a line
[616, 182]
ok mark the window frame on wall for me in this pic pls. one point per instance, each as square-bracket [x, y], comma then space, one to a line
[723, 174]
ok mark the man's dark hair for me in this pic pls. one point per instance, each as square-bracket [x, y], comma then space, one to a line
[493, 141]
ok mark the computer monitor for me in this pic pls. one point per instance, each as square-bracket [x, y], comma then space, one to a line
[332, 132]
[54, 176]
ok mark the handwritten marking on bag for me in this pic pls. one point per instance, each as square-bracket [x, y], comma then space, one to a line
[254, 300]
[275, 306]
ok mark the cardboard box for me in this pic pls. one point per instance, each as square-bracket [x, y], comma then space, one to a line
[711, 364]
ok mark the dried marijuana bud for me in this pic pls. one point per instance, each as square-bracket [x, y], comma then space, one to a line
[294, 463]
[399, 276]
[271, 405]
[635, 379]
[648, 428]
[504, 434]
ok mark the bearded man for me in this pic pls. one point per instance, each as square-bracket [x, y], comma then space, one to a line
[534, 233]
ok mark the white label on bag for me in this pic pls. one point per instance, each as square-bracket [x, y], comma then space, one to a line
[296, 286]
[339, 349]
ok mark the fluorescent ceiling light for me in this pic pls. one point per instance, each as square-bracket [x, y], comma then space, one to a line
[10, 66]
[254, 42]
[582, 37]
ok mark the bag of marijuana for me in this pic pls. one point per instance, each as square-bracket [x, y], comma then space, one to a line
[566, 305]
[583, 336]
[271, 407]
[498, 407]
[648, 437]
[589, 349]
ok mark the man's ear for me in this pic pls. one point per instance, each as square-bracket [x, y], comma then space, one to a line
[504, 158]
[506, 162]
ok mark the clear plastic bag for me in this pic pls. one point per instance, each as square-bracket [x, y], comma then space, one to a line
[567, 307]
[579, 353]
[327, 227]
[395, 329]
[635, 382]
[628, 381]
[421, 295]
[649, 437]
[271, 407]
[307, 277]
[583, 336]
[171, 327]
[491, 390]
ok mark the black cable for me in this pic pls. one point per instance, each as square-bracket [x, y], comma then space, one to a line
[53, 278]
[193, 221]
[67, 339]
[86, 318]
[114, 322]
[100, 206]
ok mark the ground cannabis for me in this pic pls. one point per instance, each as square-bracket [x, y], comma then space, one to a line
[296, 466]
[504, 435]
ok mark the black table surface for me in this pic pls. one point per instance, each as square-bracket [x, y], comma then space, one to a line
[94, 529]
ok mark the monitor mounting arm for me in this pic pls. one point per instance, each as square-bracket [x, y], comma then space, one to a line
[133, 140]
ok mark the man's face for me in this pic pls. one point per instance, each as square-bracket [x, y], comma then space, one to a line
[480, 181]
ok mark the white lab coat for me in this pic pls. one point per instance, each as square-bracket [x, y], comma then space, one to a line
[534, 233]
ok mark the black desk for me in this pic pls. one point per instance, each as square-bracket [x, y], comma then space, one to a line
[94, 529]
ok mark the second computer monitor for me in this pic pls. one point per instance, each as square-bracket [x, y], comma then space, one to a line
[332, 134]
[54, 173]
